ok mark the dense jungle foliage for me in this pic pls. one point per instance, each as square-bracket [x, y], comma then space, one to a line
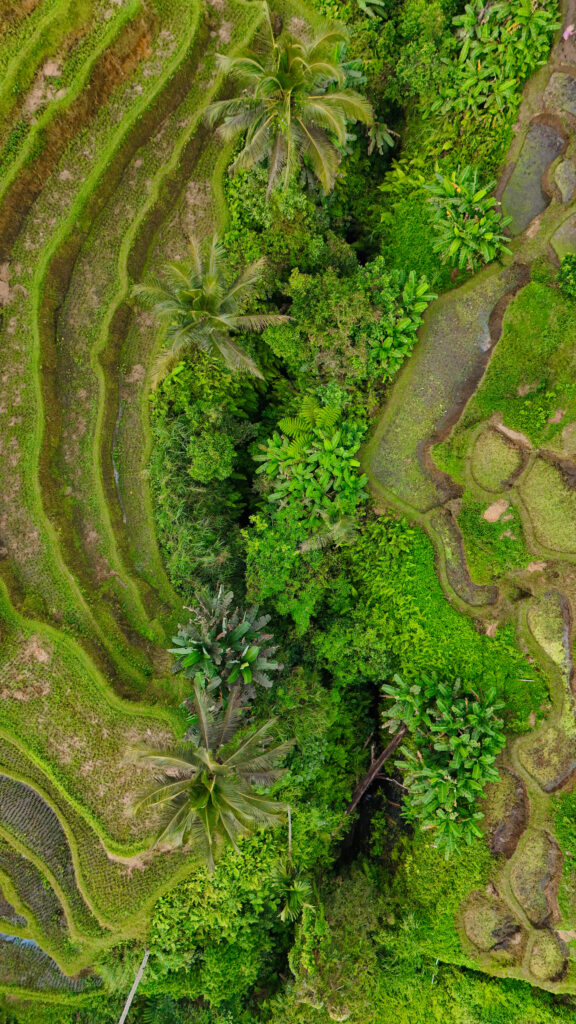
[313, 623]
[259, 489]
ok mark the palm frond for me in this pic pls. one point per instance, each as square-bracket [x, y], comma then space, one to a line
[165, 362]
[201, 708]
[237, 124]
[327, 40]
[230, 722]
[150, 293]
[322, 154]
[221, 110]
[196, 257]
[327, 118]
[349, 103]
[245, 66]
[276, 162]
[259, 321]
[259, 141]
[266, 761]
[180, 277]
[235, 357]
[245, 281]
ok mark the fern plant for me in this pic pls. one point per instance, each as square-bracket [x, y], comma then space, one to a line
[311, 417]
[310, 465]
[161, 1009]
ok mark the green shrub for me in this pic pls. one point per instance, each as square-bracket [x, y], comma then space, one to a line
[356, 329]
[202, 419]
[311, 465]
[399, 300]
[498, 46]
[386, 612]
[567, 276]
[467, 222]
[211, 456]
[456, 737]
[278, 570]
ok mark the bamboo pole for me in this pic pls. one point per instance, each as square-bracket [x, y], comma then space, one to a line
[132, 992]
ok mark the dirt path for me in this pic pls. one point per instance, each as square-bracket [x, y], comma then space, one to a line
[515, 928]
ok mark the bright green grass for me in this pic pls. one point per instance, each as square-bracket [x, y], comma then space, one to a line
[405, 623]
[551, 507]
[492, 549]
[40, 568]
[85, 362]
[82, 731]
[493, 461]
[118, 890]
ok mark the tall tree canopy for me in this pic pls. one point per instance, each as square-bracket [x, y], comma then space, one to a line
[206, 785]
[202, 308]
[292, 108]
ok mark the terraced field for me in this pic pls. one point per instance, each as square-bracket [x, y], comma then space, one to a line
[104, 165]
[452, 452]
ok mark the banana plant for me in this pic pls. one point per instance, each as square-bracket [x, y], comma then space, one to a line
[224, 647]
[455, 738]
[311, 463]
[469, 225]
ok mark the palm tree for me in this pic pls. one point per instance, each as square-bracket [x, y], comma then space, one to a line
[294, 888]
[207, 784]
[293, 108]
[202, 310]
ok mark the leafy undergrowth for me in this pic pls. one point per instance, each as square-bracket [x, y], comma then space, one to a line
[530, 375]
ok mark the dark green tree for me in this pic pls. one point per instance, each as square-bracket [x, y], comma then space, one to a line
[293, 107]
[202, 309]
[208, 786]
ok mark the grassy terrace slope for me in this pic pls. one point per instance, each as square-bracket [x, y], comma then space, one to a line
[97, 150]
[477, 445]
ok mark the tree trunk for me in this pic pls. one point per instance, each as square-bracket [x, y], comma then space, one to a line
[374, 769]
[137, 981]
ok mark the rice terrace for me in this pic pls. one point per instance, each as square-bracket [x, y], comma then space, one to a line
[287, 511]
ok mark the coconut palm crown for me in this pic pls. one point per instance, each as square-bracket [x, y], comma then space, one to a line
[293, 108]
[206, 785]
[201, 309]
